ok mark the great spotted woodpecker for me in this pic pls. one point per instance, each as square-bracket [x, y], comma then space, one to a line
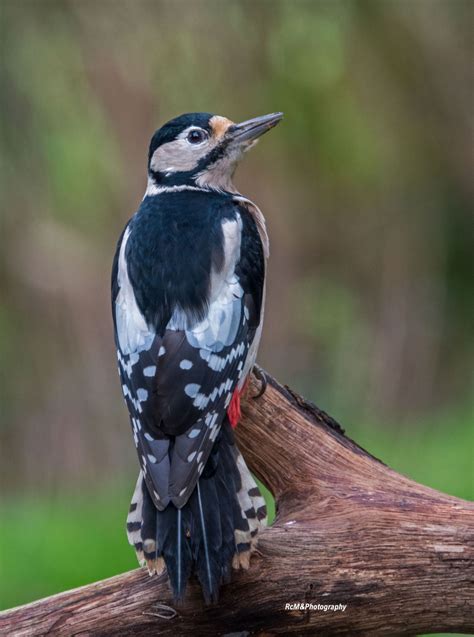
[188, 286]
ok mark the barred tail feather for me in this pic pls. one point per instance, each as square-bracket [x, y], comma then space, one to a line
[214, 531]
[254, 511]
[134, 520]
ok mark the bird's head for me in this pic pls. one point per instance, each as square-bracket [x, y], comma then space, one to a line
[202, 149]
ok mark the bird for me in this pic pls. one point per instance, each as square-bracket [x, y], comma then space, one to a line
[188, 292]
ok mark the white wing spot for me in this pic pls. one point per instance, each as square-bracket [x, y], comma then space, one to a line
[194, 433]
[161, 351]
[192, 389]
[185, 364]
[191, 456]
[142, 394]
[151, 458]
[150, 371]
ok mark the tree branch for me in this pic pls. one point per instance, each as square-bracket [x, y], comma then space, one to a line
[349, 531]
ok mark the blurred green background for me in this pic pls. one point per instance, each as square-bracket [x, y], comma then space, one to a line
[367, 188]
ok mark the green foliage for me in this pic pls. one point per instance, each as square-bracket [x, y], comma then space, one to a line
[49, 545]
[437, 452]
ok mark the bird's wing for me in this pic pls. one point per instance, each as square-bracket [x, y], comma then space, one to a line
[178, 385]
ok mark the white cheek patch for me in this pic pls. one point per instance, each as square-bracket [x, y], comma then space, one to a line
[179, 155]
[176, 156]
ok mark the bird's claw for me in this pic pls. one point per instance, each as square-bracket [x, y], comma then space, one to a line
[262, 377]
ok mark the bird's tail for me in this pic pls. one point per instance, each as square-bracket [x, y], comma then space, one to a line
[217, 528]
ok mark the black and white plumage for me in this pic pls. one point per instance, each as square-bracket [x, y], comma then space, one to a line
[187, 297]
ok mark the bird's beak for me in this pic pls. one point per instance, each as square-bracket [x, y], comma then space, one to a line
[252, 128]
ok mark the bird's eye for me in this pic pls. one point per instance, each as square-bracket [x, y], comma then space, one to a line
[196, 136]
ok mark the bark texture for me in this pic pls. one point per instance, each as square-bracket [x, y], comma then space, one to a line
[349, 530]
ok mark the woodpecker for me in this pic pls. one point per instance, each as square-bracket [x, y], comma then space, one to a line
[188, 287]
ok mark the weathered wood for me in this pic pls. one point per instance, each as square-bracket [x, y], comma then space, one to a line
[349, 531]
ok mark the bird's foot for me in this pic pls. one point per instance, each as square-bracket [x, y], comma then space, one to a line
[262, 377]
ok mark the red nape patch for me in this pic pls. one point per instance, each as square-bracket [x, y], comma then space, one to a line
[233, 410]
